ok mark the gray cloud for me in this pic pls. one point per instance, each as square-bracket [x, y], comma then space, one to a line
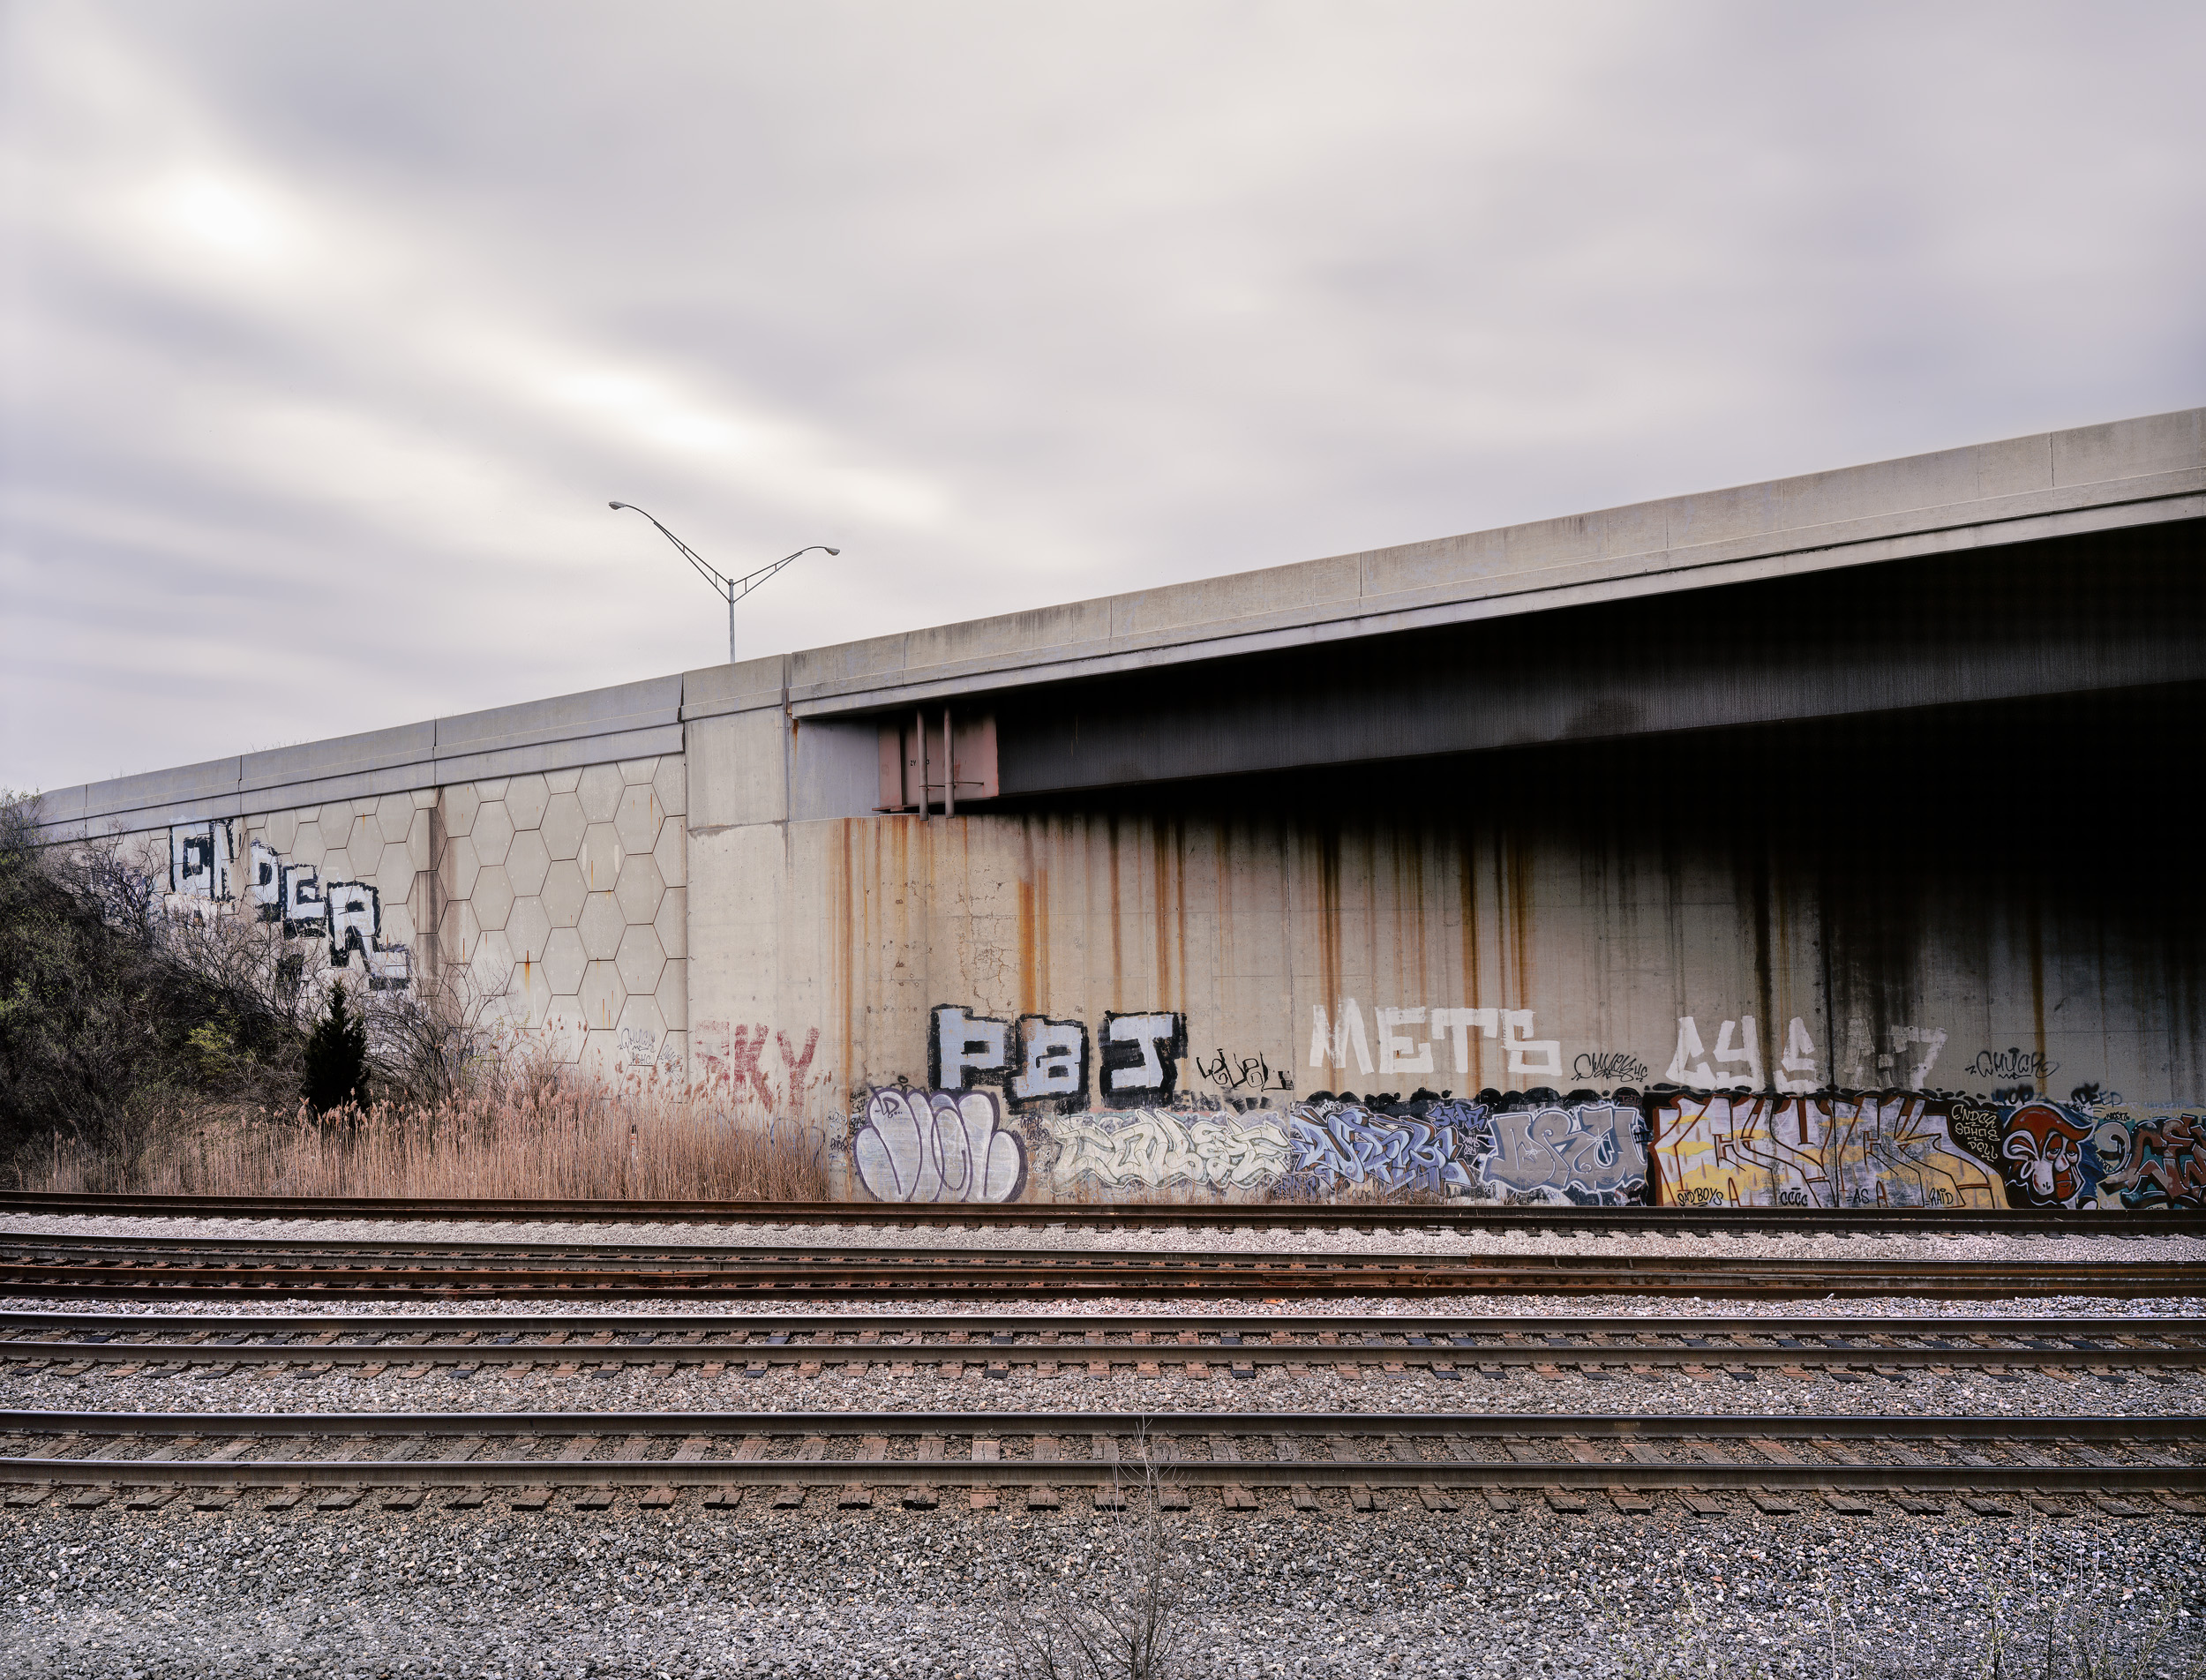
[330, 332]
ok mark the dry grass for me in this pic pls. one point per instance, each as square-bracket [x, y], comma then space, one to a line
[633, 1142]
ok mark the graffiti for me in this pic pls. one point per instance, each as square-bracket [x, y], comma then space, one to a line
[1931, 1038]
[1052, 1061]
[200, 860]
[1142, 1054]
[639, 1047]
[1148, 1149]
[1343, 1143]
[2043, 1150]
[1736, 1063]
[1613, 1068]
[798, 1065]
[347, 913]
[1046, 1065]
[937, 1147]
[1594, 1151]
[1447, 1147]
[1845, 1149]
[2085, 1155]
[2011, 1064]
[729, 1056]
[1333, 1036]
[1738, 1042]
[1249, 1073]
[2165, 1163]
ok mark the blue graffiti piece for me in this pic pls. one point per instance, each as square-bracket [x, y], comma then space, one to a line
[1595, 1149]
[1352, 1145]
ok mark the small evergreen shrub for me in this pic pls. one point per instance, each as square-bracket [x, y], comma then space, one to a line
[336, 1058]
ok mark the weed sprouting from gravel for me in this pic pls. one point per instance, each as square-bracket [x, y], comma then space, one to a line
[1126, 1617]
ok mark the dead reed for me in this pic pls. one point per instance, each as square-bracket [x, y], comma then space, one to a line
[578, 1138]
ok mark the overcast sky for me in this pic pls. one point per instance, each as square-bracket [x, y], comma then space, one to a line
[329, 330]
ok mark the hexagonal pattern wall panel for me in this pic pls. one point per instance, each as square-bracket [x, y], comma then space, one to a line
[526, 862]
[459, 802]
[563, 824]
[672, 861]
[493, 899]
[600, 856]
[527, 928]
[460, 868]
[672, 922]
[599, 791]
[525, 799]
[395, 815]
[561, 892]
[601, 995]
[564, 961]
[639, 887]
[636, 819]
[493, 832]
[639, 960]
[670, 781]
[601, 925]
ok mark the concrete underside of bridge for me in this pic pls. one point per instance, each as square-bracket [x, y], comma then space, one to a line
[1944, 798]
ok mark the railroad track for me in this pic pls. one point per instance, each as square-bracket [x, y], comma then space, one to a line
[1443, 1348]
[1923, 1463]
[166, 1268]
[1373, 1216]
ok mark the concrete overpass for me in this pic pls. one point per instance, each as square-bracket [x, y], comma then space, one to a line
[1883, 772]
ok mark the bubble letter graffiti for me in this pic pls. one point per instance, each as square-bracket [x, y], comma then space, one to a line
[937, 1147]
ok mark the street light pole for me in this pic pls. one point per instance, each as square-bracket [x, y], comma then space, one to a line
[733, 589]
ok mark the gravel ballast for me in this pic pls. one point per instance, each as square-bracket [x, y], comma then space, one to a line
[823, 1593]
[826, 1592]
[1273, 1389]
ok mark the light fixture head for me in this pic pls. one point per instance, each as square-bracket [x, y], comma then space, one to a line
[835, 551]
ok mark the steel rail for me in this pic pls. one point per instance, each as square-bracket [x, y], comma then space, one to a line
[1404, 1342]
[1016, 1323]
[1782, 1443]
[1256, 1216]
[381, 1274]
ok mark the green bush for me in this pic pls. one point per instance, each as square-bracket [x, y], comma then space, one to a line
[115, 1015]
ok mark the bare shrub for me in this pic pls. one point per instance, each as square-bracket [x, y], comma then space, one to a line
[1128, 1617]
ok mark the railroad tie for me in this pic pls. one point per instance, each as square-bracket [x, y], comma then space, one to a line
[921, 1495]
[790, 1495]
[986, 1450]
[728, 1496]
[154, 1498]
[1041, 1497]
[857, 1496]
[690, 1452]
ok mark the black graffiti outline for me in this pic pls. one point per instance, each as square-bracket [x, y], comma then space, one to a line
[1249, 1073]
[2014, 1062]
[971, 1073]
[1026, 1031]
[1165, 1046]
[1608, 1064]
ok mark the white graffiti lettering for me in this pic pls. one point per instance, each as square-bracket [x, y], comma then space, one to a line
[1738, 1042]
[1149, 1148]
[200, 860]
[937, 1147]
[966, 1050]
